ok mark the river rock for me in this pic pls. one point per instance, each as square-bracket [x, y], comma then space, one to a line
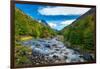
[49, 51]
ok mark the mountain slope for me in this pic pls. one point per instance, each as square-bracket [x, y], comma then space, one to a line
[43, 22]
[80, 34]
[26, 26]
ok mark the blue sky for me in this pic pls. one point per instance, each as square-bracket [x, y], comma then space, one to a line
[56, 16]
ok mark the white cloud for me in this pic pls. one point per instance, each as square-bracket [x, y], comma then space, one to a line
[67, 22]
[59, 24]
[62, 10]
[53, 25]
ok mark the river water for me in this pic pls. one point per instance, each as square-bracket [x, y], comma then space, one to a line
[54, 49]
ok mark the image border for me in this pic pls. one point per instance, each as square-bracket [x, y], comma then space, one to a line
[12, 29]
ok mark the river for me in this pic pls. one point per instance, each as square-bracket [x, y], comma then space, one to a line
[54, 50]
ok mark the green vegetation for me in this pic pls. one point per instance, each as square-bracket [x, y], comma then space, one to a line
[80, 34]
[22, 55]
[26, 26]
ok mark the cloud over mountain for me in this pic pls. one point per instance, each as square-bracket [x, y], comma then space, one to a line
[62, 10]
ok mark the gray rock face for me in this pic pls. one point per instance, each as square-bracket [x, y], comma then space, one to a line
[52, 51]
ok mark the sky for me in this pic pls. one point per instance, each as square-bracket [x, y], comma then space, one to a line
[56, 16]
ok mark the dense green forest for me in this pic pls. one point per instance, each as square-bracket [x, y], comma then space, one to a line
[80, 34]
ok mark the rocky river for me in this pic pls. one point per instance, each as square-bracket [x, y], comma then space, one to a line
[51, 51]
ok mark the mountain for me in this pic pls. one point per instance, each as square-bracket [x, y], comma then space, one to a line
[26, 26]
[43, 22]
[80, 34]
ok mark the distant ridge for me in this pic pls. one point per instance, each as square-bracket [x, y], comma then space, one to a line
[43, 22]
[91, 11]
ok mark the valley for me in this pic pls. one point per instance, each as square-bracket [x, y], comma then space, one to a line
[37, 43]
